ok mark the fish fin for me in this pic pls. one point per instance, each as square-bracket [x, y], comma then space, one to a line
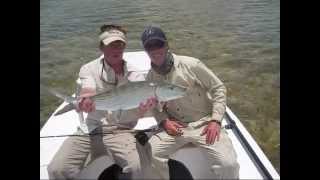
[103, 94]
[165, 99]
[66, 98]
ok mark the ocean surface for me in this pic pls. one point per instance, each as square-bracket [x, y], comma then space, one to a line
[238, 40]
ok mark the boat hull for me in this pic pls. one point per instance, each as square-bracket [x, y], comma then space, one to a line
[253, 162]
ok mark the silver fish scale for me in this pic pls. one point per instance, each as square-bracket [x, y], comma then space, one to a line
[130, 95]
[124, 97]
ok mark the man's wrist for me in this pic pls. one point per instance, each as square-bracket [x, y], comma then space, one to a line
[162, 123]
[216, 121]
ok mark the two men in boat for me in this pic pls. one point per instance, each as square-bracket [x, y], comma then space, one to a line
[195, 118]
[104, 73]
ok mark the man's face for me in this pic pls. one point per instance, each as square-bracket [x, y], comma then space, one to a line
[113, 52]
[156, 50]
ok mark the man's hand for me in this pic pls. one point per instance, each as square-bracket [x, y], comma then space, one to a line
[173, 127]
[85, 103]
[146, 106]
[213, 132]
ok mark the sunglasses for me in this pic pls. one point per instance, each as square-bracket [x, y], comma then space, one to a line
[104, 80]
[153, 45]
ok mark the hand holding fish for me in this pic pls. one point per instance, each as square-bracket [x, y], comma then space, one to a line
[149, 104]
[128, 96]
[86, 104]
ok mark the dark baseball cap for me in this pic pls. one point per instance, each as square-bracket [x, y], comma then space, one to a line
[152, 33]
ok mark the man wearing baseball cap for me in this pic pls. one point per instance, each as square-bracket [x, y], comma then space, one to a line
[195, 118]
[104, 73]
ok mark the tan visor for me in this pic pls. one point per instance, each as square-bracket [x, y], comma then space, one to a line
[111, 36]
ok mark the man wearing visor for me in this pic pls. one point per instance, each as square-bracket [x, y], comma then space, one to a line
[195, 118]
[104, 73]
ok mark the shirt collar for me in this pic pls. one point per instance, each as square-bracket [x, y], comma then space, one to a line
[108, 72]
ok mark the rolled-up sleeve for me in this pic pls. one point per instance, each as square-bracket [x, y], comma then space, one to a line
[215, 89]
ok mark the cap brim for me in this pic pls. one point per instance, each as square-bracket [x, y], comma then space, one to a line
[154, 38]
[109, 40]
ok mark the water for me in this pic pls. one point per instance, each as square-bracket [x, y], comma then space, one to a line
[238, 40]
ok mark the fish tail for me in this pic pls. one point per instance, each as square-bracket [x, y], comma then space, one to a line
[65, 109]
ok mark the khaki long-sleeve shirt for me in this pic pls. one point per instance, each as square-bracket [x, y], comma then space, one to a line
[95, 75]
[206, 95]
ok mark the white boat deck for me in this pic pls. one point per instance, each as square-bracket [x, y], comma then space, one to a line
[253, 162]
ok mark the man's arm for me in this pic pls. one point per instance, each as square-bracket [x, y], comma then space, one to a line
[160, 114]
[215, 88]
[86, 104]
[88, 89]
[217, 92]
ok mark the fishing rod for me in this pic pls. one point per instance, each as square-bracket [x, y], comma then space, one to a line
[102, 133]
[227, 126]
